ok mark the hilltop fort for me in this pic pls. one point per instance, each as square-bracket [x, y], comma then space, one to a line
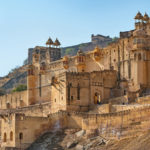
[92, 91]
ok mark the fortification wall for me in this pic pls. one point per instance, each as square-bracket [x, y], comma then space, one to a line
[112, 125]
[14, 100]
[24, 125]
[26, 129]
[120, 123]
[39, 110]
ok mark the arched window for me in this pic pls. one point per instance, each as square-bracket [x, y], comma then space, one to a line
[134, 56]
[144, 57]
[8, 105]
[69, 86]
[20, 136]
[139, 56]
[78, 92]
[5, 137]
[11, 136]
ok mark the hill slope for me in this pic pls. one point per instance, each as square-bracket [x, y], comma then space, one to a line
[63, 140]
[15, 77]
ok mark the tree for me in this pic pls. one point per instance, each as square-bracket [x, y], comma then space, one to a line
[20, 88]
[68, 51]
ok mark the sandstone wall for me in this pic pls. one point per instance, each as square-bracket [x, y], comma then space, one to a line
[14, 100]
[119, 124]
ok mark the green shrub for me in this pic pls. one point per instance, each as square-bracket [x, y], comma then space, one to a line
[20, 88]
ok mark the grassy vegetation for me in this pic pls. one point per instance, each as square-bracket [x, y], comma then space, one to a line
[20, 88]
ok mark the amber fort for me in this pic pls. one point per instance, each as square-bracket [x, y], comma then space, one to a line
[105, 89]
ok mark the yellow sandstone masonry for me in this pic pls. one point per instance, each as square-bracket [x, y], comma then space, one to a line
[88, 91]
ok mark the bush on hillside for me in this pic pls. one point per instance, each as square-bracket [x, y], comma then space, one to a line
[20, 88]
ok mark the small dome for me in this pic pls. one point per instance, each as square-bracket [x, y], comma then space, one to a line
[49, 42]
[145, 17]
[138, 16]
[139, 32]
[65, 58]
[57, 43]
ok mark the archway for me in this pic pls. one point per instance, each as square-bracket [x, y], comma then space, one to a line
[11, 136]
[20, 135]
[97, 98]
[8, 105]
[5, 137]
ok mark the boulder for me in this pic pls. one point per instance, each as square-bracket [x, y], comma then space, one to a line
[87, 146]
[80, 133]
[79, 147]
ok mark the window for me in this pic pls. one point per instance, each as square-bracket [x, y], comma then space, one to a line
[8, 105]
[20, 136]
[16, 102]
[11, 136]
[40, 89]
[5, 137]
[78, 92]
[139, 56]
[71, 97]
[30, 72]
[138, 41]
[69, 91]
[144, 57]
[134, 56]
[134, 41]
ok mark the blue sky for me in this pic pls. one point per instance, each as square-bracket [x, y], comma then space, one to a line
[27, 23]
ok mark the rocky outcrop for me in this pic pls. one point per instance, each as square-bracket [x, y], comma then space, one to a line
[16, 77]
[64, 140]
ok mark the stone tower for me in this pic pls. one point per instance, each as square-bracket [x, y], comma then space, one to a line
[41, 58]
[141, 50]
[53, 52]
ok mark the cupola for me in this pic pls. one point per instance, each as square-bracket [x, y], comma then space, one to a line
[80, 61]
[97, 54]
[49, 42]
[66, 62]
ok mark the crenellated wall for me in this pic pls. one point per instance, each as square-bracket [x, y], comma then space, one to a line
[14, 100]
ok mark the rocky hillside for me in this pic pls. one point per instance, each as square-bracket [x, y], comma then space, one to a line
[72, 50]
[73, 140]
[15, 77]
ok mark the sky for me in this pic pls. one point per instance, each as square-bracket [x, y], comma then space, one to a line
[27, 23]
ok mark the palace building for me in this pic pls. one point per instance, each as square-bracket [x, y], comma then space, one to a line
[76, 83]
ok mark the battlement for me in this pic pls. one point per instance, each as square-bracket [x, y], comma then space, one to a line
[126, 34]
[99, 38]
